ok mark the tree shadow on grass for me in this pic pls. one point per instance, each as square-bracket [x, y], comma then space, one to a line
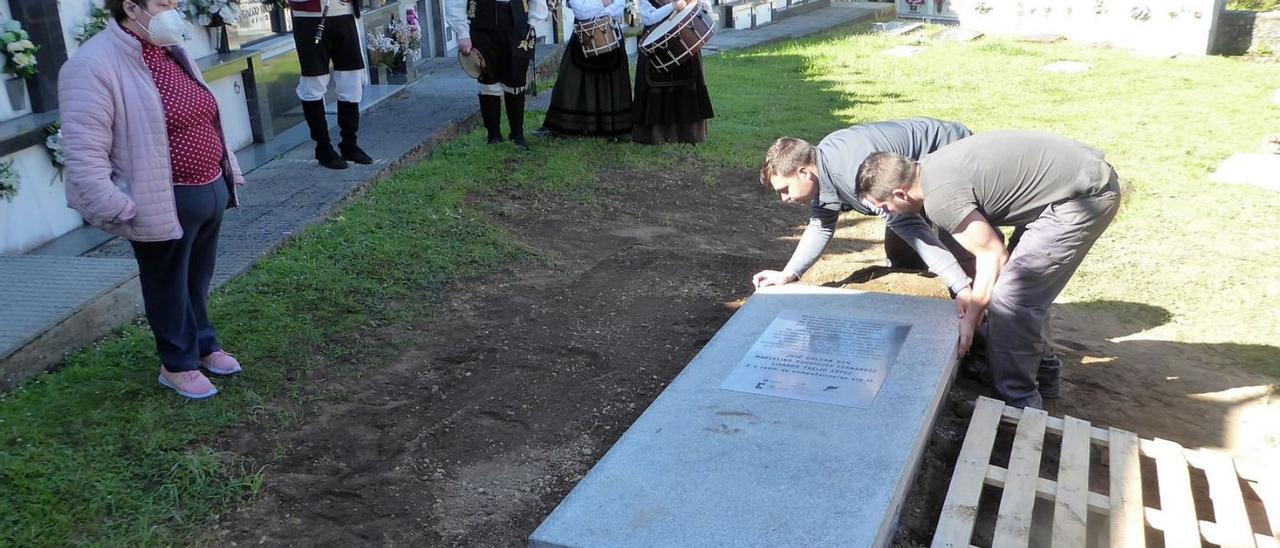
[1197, 394]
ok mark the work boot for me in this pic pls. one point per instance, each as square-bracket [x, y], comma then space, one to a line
[1049, 379]
[348, 127]
[515, 118]
[313, 112]
[491, 113]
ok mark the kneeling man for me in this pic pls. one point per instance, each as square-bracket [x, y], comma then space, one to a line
[1062, 193]
[822, 177]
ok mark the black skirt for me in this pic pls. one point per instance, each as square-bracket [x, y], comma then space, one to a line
[592, 96]
[672, 105]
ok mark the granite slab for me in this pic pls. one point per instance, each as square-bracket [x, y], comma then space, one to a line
[710, 467]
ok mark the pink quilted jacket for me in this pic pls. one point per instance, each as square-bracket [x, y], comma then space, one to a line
[117, 149]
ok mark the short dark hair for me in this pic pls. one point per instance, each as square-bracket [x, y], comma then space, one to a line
[883, 172]
[116, 7]
[785, 157]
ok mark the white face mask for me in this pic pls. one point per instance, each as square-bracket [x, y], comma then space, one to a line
[166, 28]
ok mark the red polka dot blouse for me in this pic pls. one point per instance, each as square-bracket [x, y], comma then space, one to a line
[191, 118]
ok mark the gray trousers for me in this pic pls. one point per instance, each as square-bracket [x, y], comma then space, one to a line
[1019, 336]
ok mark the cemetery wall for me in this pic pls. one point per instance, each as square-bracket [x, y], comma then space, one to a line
[1241, 32]
[250, 67]
[1162, 27]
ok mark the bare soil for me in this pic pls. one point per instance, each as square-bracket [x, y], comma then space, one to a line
[497, 405]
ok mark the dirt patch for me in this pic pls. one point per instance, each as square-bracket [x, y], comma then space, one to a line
[523, 379]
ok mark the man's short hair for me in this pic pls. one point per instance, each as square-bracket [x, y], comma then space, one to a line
[786, 157]
[882, 172]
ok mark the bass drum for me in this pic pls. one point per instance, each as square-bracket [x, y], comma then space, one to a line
[679, 38]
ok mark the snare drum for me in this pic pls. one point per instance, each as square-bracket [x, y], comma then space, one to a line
[597, 36]
[679, 38]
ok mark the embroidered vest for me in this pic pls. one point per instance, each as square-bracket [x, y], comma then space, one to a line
[483, 14]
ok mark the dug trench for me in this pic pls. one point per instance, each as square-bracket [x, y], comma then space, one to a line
[523, 378]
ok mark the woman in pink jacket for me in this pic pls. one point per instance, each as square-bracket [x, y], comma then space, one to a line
[147, 161]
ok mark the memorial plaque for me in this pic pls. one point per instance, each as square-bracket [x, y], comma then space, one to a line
[254, 24]
[839, 361]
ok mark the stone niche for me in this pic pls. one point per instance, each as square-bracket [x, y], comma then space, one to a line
[1243, 32]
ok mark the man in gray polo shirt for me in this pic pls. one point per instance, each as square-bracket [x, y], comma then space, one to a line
[823, 177]
[1063, 193]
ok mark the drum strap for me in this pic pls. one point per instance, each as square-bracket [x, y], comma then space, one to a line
[599, 63]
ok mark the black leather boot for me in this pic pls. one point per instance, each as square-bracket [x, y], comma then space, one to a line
[313, 112]
[348, 127]
[515, 118]
[491, 113]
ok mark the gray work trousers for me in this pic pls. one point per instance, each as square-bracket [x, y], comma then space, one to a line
[1019, 336]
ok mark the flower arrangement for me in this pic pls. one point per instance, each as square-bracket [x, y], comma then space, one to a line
[382, 50]
[212, 13]
[20, 53]
[10, 180]
[407, 35]
[98, 18]
[54, 143]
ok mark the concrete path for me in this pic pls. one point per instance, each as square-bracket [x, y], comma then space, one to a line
[57, 305]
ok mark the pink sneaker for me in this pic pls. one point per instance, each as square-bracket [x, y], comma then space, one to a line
[188, 384]
[221, 364]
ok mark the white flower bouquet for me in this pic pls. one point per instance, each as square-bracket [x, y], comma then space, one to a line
[98, 17]
[409, 37]
[382, 50]
[54, 143]
[9, 181]
[20, 53]
[212, 13]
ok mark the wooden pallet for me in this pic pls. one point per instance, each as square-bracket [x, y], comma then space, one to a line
[1072, 501]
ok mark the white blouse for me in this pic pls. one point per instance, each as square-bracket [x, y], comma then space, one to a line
[455, 13]
[652, 16]
[586, 10]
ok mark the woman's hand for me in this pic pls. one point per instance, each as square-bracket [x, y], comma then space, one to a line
[130, 211]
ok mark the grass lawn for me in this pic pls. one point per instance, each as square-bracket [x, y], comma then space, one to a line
[1254, 5]
[97, 454]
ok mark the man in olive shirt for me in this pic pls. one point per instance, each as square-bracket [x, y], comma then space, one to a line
[1062, 193]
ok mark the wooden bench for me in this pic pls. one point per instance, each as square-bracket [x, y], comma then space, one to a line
[1123, 507]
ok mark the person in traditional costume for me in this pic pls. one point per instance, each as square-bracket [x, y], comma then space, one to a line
[592, 96]
[502, 31]
[670, 105]
[325, 33]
